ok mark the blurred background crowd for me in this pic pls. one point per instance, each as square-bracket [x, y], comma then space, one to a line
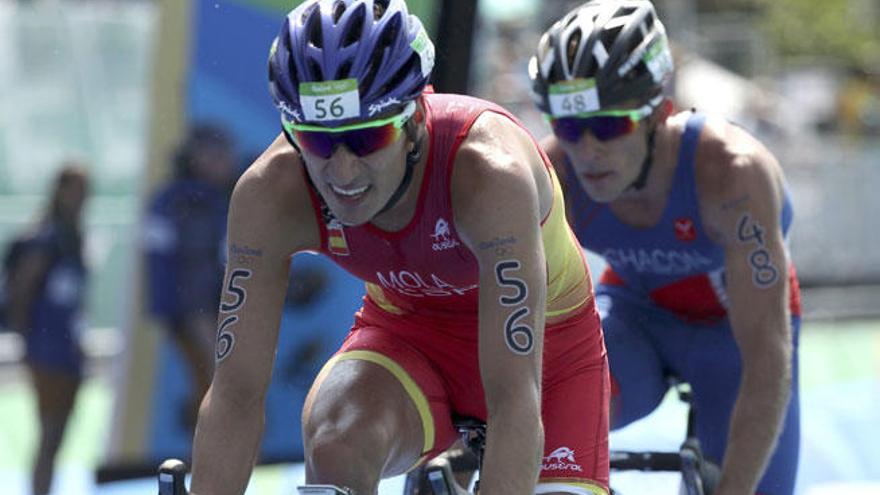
[161, 104]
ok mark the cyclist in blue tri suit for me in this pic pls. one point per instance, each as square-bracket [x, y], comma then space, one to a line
[691, 213]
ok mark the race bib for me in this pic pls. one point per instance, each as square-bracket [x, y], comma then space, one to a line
[330, 100]
[573, 97]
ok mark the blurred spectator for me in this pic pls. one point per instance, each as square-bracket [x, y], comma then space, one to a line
[858, 103]
[184, 242]
[45, 287]
[505, 79]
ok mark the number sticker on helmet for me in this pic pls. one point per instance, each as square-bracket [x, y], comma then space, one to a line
[573, 97]
[330, 100]
[425, 48]
[659, 60]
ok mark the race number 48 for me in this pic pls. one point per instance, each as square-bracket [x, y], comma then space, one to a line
[764, 272]
[573, 97]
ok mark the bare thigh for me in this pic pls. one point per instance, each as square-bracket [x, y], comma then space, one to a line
[361, 406]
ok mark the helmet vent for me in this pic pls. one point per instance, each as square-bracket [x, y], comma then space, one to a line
[294, 77]
[307, 14]
[609, 36]
[411, 65]
[637, 72]
[572, 49]
[355, 26]
[291, 66]
[379, 9]
[313, 28]
[343, 70]
[315, 69]
[634, 42]
[367, 81]
[338, 10]
[276, 79]
[390, 33]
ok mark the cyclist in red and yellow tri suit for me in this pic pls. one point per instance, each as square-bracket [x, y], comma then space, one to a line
[478, 301]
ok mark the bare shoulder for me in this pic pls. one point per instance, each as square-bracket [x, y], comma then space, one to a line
[500, 157]
[272, 195]
[735, 171]
[730, 159]
[499, 134]
[273, 175]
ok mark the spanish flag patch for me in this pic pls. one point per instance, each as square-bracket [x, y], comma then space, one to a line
[336, 242]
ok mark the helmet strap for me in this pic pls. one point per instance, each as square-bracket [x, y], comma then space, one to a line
[640, 181]
[290, 140]
[412, 158]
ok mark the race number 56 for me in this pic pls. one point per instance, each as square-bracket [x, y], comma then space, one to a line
[225, 338]
[519, 336]
[330, 100]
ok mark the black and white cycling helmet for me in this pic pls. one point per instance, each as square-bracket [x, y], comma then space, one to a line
[608, 52]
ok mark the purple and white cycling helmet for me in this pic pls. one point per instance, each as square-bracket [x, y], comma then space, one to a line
[336, 62]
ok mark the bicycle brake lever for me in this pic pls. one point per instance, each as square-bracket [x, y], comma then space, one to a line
[172, 478]
[322, 490]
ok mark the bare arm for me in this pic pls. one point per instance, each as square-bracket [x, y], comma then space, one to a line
[497, 197]
[746, 216]
[24, 286]
[264, 229]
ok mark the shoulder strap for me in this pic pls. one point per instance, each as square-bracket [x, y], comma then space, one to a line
[690, 138]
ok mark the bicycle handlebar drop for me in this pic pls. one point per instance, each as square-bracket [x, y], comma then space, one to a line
[322, 490]
[172, 478]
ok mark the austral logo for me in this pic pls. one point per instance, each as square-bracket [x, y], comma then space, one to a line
[561, 459]
[443, 236]
[685, 230]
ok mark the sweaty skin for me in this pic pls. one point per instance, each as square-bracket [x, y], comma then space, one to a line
[737, 179]
[501, 190]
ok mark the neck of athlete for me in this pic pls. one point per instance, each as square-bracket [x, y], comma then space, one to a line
[401, 212]
[660, 173]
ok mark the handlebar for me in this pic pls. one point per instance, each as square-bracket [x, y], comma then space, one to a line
[172, 478]
[645, 461]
